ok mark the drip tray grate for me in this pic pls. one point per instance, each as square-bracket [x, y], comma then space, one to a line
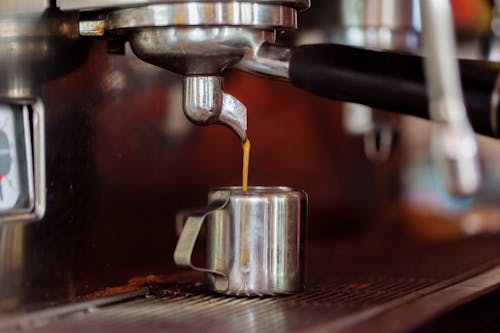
[347, 293]
[204, 312]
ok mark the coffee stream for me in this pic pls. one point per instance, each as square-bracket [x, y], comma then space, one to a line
[246, 160]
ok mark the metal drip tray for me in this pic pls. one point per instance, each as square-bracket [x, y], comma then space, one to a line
[394, 294]
[211, 313]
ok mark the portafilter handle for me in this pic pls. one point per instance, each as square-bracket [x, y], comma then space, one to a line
[402, 83]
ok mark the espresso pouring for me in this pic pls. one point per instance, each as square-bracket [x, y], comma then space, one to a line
[246, 161]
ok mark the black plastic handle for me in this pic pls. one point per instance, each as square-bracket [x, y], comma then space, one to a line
[392, 81]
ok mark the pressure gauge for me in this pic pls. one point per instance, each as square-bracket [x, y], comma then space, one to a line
[22, 169]
[16, 180]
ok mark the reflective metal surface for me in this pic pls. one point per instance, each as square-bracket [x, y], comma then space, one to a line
[383, 24]
[196, 51]
[205, 39]
[252, 14]
[245, 14]
[23, 6]
[420, 314]
[351, 296]
[379, 24]
[255, 241]
[205, 103]
[33, 47]
[33, 119]
[267, 60]
[100, 4]
[51, 36]
[454, 144]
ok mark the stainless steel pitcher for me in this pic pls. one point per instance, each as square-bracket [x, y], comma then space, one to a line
[255, 240]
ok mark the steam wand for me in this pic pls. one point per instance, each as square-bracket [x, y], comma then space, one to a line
[453, 142]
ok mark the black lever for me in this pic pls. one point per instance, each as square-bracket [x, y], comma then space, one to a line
[393, 81]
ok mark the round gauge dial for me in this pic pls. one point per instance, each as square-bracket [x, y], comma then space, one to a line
[12, 168]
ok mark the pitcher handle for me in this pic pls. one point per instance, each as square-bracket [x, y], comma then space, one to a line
[187, 240]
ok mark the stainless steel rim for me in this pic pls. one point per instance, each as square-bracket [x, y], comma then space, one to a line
[204, 13]
[258, 190]
[102, 4]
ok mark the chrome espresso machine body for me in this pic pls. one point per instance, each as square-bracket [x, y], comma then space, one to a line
[97, 159]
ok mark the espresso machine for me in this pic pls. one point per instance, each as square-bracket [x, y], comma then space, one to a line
[101, 149]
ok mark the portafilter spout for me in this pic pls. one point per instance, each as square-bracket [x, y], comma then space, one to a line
[205, 103]
[201, 55]
[201, 40]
